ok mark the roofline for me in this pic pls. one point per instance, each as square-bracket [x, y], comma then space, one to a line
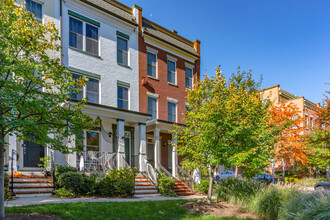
[111, 13]
[169, 122]
[168, 32]
[119, 5]
[173, 45]
[278, 85]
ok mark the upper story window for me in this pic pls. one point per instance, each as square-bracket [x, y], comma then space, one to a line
[189, 78]
[152, 64]
[311, 122]
[171, 111]
[152, 107]
[171, 71]
[122, 48]
[122, 97]
[83, 36]
[89, 91]
[306, 120]
[35, 8]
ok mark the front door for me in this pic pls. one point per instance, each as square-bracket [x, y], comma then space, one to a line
[32, 153]
[127, 147]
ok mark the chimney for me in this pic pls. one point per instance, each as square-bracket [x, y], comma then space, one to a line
[197, 46]
[137, 12]
[175, 31]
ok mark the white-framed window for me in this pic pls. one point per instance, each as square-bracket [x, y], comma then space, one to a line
[171, 107]
[189, 78]
[35, 8]
[152, 64]
[122, 97]
[93, 141]
[91, 90]
[122, 50]
[311, 122]
[83, 36]
[171, 71]
[152, 107]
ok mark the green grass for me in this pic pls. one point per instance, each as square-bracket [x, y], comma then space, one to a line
[116, 210]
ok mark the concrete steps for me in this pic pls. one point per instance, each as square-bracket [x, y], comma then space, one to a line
[32, 184]
[144, 187]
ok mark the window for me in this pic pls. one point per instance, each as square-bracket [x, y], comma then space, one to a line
[306, 120]
[171, 111]
[189, 78]
[152, 64]
[36, 9]
[152, 107]
[76, 33]
[171, 72]
[122, 51]
[122, 97]
[90, 90]
[89, 41]
[93, 141]
[311, 122]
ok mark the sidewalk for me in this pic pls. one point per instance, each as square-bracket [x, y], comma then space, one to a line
[40, 200]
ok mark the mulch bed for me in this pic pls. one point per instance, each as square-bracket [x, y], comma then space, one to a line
[218, 209]
[30, 216]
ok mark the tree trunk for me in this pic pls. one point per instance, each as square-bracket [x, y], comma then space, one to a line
[209, 194]
[283, 170]
[236, 171]
[2, 192]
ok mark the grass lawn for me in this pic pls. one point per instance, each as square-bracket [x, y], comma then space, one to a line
[115, 210]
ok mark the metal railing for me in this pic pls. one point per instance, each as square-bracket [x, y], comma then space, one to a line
[151, 172]
[12, 172]
[125, 164]
[162, 169]
[185, 178]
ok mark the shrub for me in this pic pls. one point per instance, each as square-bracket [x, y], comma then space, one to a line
[238, 191]
[315, 205]
[124, 188]
[6, 187]
[268, 202]
[166, 185]
[310, 182]
[292, 180]
[64, 193]
[203, 187]
[78, 183]
[59, 169]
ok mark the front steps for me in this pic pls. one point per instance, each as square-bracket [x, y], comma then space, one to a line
[144, 187]
[181, 189]
[32, 184]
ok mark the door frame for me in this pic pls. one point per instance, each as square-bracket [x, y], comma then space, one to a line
[21, 158]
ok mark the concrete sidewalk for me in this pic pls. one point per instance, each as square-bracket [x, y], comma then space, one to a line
[39, 200]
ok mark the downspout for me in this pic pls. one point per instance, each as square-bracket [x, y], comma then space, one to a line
[61, 31]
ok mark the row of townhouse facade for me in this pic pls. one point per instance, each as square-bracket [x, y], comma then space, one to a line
[139, 73]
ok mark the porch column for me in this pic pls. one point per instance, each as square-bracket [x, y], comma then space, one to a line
[143, 146]
[174, 157]
[12, 152]
[121, 143]
[157, 147]
[72, 156]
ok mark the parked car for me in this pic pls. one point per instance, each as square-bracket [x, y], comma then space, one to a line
[268, 178]
[322, 186]
[224, 175]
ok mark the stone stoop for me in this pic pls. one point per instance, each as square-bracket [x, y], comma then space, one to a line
[32, 184]
[181, 189]
[144, 187]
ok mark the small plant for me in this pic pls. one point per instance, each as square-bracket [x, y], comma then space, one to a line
[45, 163]
[203, 187]
[166, 185]
[64, 193]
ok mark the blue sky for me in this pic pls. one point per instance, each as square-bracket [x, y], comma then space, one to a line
[287, 41]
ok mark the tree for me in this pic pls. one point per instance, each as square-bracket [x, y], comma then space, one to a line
[290, 146]
[226, 124]
[34, 86]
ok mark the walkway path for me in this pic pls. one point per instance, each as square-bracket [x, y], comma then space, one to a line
[39, 200]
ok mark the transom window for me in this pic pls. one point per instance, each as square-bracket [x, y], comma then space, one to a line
[122, 51]
[152, 64]
[171, 70]
[122, 97]
[189, 78]
[152, 107]
[90, 90]
[171, 111]
[86, 39]
[34, 8]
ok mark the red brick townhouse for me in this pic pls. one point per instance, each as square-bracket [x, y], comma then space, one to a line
[169, 64]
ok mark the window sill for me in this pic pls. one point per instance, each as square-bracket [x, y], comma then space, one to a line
[123, 65]
[82, 51]
[171, 84]
[153, 78]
